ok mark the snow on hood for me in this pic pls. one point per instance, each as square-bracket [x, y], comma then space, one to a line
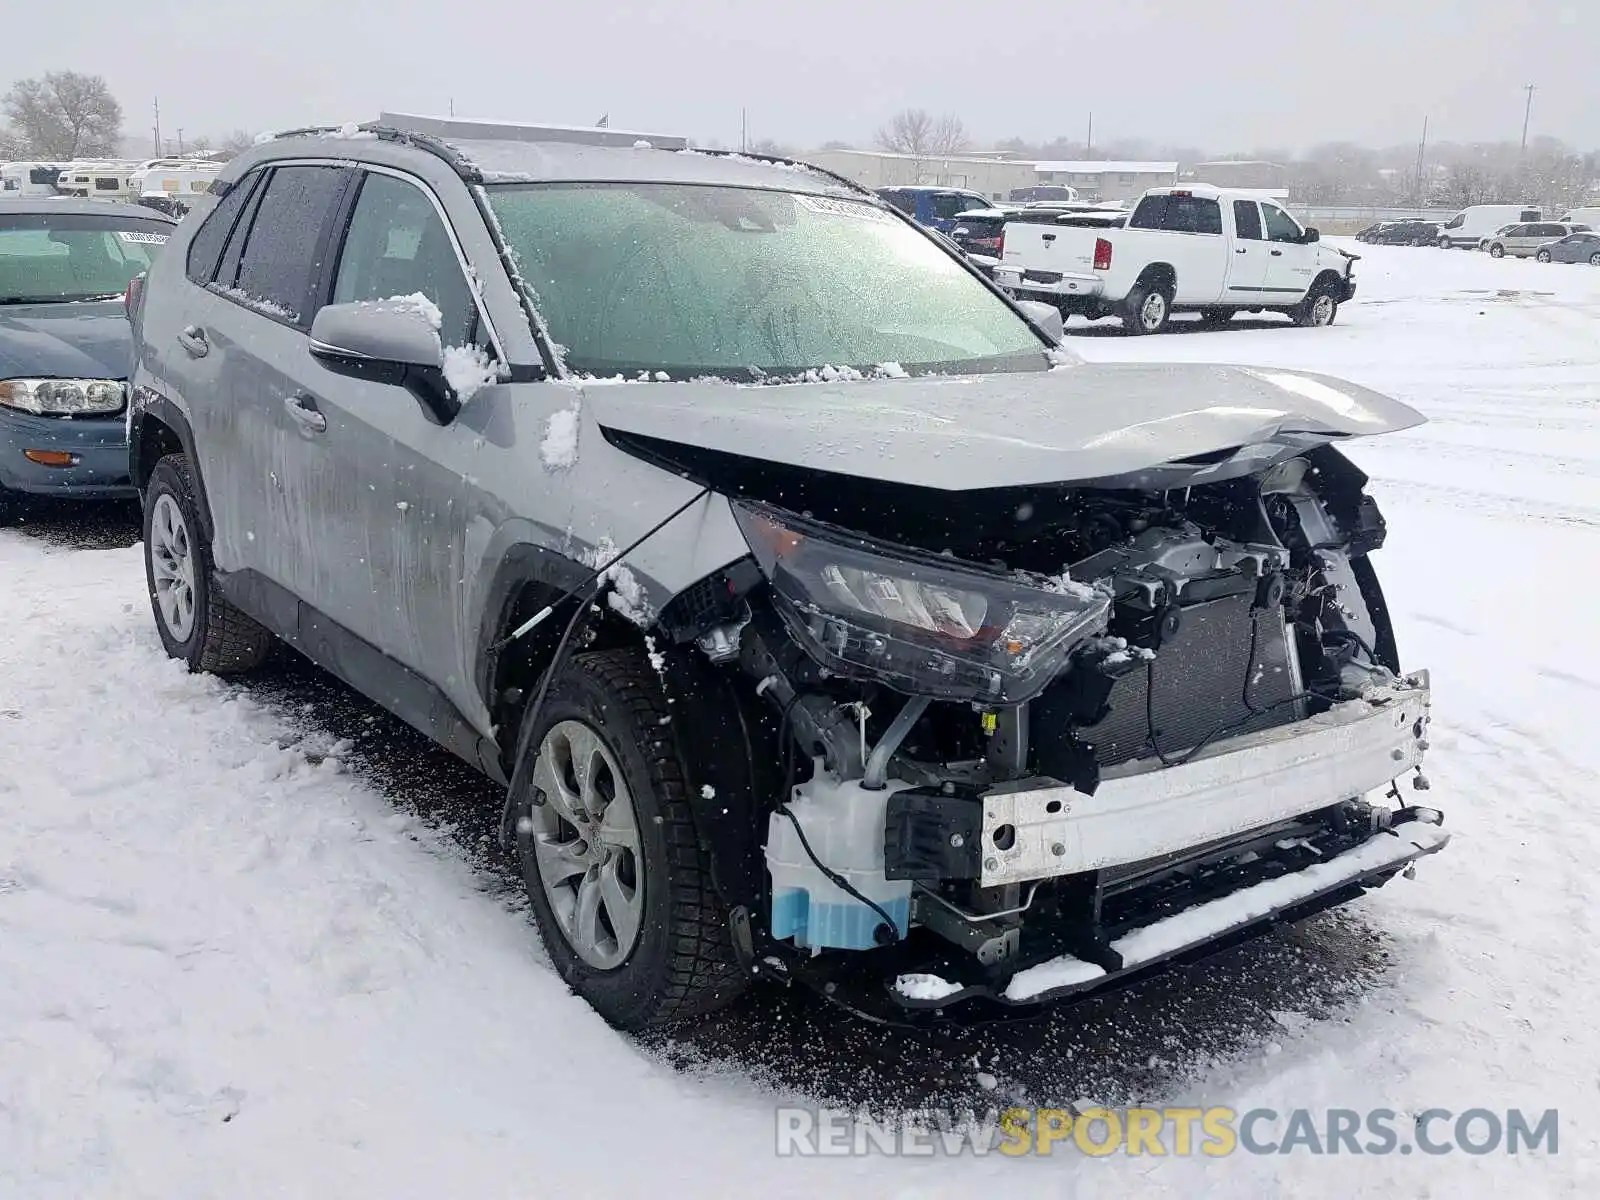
[84, 339]
[1005, 430]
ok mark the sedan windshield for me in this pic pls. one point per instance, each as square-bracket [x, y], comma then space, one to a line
[739, 283]
[48, 258]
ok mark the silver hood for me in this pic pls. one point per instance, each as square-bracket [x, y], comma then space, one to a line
[1086, 422]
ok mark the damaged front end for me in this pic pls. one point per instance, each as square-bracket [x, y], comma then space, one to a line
[1039, 739]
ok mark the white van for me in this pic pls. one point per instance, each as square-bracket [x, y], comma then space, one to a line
[1473, 227]
[1583, 216]
[28, 179]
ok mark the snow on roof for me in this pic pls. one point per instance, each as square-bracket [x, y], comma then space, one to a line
[475, 129]
[929, 157]
[1114, 167]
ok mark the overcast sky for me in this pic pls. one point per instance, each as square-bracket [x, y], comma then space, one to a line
[1219, 74]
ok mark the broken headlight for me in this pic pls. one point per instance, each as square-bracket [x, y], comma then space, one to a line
[923, 625]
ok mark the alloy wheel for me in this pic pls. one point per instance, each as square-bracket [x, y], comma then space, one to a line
[172, 567]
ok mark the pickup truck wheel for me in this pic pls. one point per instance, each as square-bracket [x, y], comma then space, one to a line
[1148, 308]
[1496, 250]
[196, 623]
[618, 880]
[1318, 309]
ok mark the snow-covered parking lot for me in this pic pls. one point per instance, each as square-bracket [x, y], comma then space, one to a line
[251, 944]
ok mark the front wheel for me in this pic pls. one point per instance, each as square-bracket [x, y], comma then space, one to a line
[1594, 260]
[1148, 308]
[1543, 256]
[618, 880]
[1497, 251]
[196, 623]
[1319, 308]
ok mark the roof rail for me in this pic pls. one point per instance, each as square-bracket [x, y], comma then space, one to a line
[781, 160]
[464, 166]
[469, 129]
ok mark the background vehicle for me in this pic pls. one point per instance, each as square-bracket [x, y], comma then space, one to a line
[97, 181]
[65, 345]
[1578, 247]
[1366, 235]
[1402, 233]
[1524, 241]
[1582, 216]
[936, 207]
[1042, 191]
[28, 179]
[173, 190]
[1473, 226]
[1199, 248]
[755, 743]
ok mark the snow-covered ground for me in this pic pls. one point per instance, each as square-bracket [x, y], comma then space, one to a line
[231, 965]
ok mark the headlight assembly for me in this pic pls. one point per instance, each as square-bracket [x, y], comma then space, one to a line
[63, 397]
[921, 624]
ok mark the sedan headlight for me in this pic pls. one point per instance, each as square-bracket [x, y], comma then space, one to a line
[63, 397]
[923, 625]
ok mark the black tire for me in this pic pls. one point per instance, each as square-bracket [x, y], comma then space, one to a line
[1543, 256]
[1496, 250]
[1216, 318]
[1320, 307]
[1139, 316]
[682, 965]
[221, 639]
[1594, 260]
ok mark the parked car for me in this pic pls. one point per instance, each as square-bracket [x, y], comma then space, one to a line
[978, 230]
[1475, 225]
[1524, 241]
[65, 346]
[1402, 233]
[935, 207]
[801, 656]
[1580, 246]
[1043, 191]
[1367, 234]
[1205, 249]
[23, 179]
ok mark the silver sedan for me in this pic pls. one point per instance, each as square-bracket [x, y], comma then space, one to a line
[1574, 248]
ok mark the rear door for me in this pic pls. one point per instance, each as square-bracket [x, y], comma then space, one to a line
[1247, 271]
[247, 334]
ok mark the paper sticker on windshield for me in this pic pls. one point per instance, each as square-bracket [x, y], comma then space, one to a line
[142, 239]
[843, 208]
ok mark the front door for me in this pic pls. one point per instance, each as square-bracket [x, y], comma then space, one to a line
[1289, 266]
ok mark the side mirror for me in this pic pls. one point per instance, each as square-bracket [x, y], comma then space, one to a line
[387, 341]
[394, 333]
[1046, 316]
[1311, 235]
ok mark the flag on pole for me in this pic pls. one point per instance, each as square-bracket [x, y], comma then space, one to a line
[603, 122]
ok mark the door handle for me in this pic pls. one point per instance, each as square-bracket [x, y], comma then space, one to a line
[1240, 250]
[1276, 253]
[193, 339]
[304, 411]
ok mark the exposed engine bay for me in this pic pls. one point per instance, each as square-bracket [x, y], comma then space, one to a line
[1023, 727]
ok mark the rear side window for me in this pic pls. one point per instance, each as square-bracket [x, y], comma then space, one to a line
[1247, 220]
[397, 245]
[901, 201]
[1551, 231]
[281, 259]
[1178, 214]
[206, 246]
[947, 205]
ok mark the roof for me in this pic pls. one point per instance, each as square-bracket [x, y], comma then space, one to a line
[1115, 167]
[73, 204]
[548, 154]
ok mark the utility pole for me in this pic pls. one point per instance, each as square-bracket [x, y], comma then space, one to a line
[744, 131]
[1088, 146]
[158, 128]
[180, 141]
[1527, 112]
[1422, 149]
[452, 106]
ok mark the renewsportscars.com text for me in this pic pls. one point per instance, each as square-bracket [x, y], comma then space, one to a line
[1158, 1132]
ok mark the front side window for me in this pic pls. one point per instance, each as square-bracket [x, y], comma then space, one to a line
[280, 257]
[1280, 225]
[48, 258]
[743, 283]
[397, 245]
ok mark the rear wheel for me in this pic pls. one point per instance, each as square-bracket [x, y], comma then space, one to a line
[197, 625]
[618, 880]
[1543, 256]
[1147, 309]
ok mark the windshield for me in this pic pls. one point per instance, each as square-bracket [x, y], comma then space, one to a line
[50, 258]
[696, 280]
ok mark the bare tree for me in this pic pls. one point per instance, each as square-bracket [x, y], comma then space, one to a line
[65, 115]
[918, 132]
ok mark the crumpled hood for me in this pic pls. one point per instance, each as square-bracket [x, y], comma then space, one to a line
[90, 340]
[1086, 422]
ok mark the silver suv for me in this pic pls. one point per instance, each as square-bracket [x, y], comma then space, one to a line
[1525, 241]
[823, 620]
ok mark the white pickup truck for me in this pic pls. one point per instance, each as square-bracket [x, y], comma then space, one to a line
[1215, 251]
